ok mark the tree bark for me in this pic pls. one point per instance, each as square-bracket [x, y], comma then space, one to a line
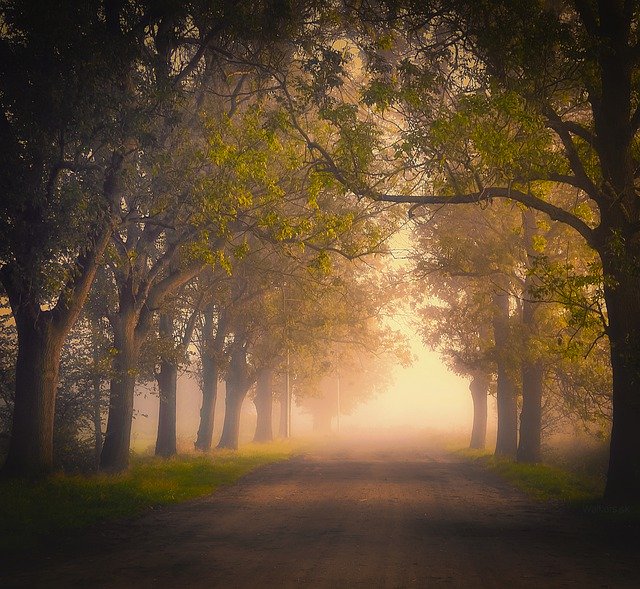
[37, 369]
[97, 419]
[211, 348]
[622, 294]
[529, 449]
[115, 450]
[237, 387]
[166, 442]
[264, 406]
[479, 388]
[97, 398]
[507, 437]
[532, 370]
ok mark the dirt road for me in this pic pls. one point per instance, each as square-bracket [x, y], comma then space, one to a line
[348, 517]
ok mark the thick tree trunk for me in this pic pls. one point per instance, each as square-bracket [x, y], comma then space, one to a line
[31, 445]
[507, 437]
[264, 406]
[622, 294]
[232, 410]
[166, 442]
[115, 451]
[479, 388]
[531, 415]
[532, 371]
[237, 388]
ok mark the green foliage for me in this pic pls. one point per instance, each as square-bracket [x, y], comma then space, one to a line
[32, 511]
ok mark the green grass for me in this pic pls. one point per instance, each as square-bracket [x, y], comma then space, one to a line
[31, 511]
[541, 481]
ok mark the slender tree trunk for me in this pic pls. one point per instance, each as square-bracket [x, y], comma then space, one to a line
[622, 294]
[209, 395]
[479, 388]
[115, 451]
[97, 418]
[31, 445]
[507, 438]
[166, 442]
[237, 388]
[209, 360]
[264, 406]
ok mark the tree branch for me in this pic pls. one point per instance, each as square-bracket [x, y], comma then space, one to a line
[556, 213]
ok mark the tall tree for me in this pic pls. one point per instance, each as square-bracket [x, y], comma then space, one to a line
[496, 99]
[65, 148]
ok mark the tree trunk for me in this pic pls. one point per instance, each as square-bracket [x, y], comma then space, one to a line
[31, 445]
[264, 406]
[209, 360]
[622, 293]
[115, 451]
[232, 409]
[204, 438]
[237, 388]
[479, 388]
[531, 415]
[166, 443]
[532, 370]
[507, 438]
[97, 419]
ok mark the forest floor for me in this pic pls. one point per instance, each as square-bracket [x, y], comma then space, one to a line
[348, 515]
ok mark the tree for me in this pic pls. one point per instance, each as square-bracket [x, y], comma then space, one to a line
[495, 100]
[65, 147]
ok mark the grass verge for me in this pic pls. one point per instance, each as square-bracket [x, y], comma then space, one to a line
[541, 481]
[32, 511]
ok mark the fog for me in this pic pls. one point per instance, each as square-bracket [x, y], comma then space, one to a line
[423, 396]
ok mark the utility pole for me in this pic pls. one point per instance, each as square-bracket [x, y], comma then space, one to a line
[287, 391]
[338, 416]
[288, 396]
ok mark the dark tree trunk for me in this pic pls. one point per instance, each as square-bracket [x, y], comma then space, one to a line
[623, 305]
[39, 347]
[166, 443]
[204, 438]
[479, 388]
[507, 438]
[237, 388]
[532, 371]
[211, 347]
[97, 418]
[115, 451]
[531, 415]
[264, 406]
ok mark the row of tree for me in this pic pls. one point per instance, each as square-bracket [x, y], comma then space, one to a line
[146, 145]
